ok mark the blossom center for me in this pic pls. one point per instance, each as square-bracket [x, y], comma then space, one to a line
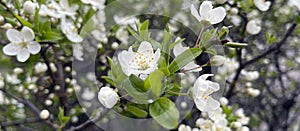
[23, 44]
[142, 61]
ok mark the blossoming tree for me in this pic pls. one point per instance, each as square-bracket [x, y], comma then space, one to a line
[184, 65]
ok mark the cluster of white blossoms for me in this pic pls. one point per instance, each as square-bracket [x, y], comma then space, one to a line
[216, 121]
[140, 63]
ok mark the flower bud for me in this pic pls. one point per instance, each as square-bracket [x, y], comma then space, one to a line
[223, 101]
[107, 97]
[2, 83]
[44, 114]
[236, 125]
[18, 70]
[1, 19]
[29, 7]
[253, 27]
[40, 68]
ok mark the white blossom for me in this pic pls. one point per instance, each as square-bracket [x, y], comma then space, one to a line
[242, 117]
[262, 5]
[207, 13]
[40, 67]
[253, 92]
[29, 7]
[142, 62]
[192, 66]
[253, 27]
[202, 91]
[250, 75]
[44, 114]
[184, 128]
[108, 97]
[223, 101]
[69, 29]
[21, 44]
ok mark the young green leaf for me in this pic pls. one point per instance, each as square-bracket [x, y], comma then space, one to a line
[183, 59]
[136, 111]
[165, 113]
[153, 82]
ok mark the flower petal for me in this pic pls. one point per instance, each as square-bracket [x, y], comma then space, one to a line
[11, 49]
[213, 104]
[28, 34]
[74, 37]
[23, 55]
[13, 35]
[145, 47]
[64, 3]
[205, 8]
[192, 67]
[178, 49]
[34, 47]
[195, 13]
[217, 15]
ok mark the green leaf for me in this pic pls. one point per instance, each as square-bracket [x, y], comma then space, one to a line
[144, 26]
[136, 111]
[270, 38]
[137, 83]
[53, 36]
[223, 33]
[154, 82]
[183, 59]
[62, 118]
[165, 113]
[134, 34]
[88, 15]
[109, 80]
[87, 28]
[211, 51]
[23, 21]
[235, 45]
[206, 36]
[166, 45]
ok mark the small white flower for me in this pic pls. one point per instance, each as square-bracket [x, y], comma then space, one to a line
[245, 128]
[22, 44]
[253, 27]
[250, 75]
[142, 62]
[295, 3]
[40, 68]
[253, 92]
[44, 114]
[236, 125]
[184, 128]
[207, 13]
[53, 67]
[262, 5]
[108, 97]
[29, 7]
[217, 60]
[1, 19]
[69, 29]
[114, 45]
[204, 124]
[223, 101]
[18, 70]
[192, 66]
[202, 91]
[242, 117]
